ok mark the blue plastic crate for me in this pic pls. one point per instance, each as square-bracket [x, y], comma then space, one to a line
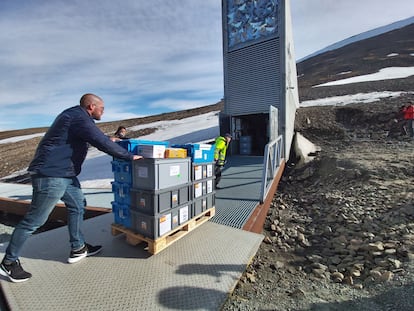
[199, 153]
[122, 171]
[122, 214]
[132, 144]
[122, 192]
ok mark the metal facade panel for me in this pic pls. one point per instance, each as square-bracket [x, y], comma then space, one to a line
[253, 78]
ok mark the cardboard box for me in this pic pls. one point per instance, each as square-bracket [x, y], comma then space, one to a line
[175, 153]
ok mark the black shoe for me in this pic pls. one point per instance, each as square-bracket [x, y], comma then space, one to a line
[86, 251]
[14, 272]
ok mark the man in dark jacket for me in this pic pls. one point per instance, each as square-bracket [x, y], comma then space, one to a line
[54, 170]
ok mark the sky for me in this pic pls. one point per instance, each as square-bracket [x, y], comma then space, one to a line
[142, 57]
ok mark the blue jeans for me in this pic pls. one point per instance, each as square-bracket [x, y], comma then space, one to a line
[47, 191]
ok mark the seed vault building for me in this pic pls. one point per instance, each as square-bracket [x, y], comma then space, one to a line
[260, 81]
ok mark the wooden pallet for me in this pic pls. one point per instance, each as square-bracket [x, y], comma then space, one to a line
[157, 245]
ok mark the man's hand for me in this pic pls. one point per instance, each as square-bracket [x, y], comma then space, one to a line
[137, 157]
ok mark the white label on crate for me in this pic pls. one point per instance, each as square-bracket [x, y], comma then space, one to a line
[209, 186]
[198, 189]
[143, 171]
[205, 146]
[198, 172]
[209, 170]
[198, 154]
[142, 202]
[165, 223]
[183, 214]
[174, 170]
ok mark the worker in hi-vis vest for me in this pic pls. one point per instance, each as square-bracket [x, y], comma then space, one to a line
[221, 144]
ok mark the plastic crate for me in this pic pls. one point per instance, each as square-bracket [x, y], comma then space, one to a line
[132, 144]
[203, 187]
[202, 171]
[122, 192]
[181, 215]
[159, 225]
[245, 139]
[202, 204]
[122, 170]
[153, 202]
[122, 214]
[199, 153]
[151, 151]
[156, 174]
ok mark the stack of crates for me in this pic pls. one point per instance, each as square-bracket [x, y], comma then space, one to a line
[245, 145]
[154, 195]
[202, 176]
[161, 195]
[121, 189]
[123, 181]
[203, 187]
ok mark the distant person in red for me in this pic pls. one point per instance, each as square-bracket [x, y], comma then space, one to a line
[409, 119]
[401, 122]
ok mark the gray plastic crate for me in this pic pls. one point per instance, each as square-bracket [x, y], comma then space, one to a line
[203, 187]
[202, 204]
[154, 227]
[153, 202]
[156, 174]
[201, 171]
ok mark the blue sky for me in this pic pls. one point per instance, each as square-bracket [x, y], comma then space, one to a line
[142, 57]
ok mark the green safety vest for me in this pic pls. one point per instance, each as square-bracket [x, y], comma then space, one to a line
[220, 150]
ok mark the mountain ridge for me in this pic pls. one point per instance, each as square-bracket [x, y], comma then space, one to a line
[362, 36]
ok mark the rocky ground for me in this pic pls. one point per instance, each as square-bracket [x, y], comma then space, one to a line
[339, 234]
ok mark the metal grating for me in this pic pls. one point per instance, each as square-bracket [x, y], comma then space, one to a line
[240, 191]
[233, 215]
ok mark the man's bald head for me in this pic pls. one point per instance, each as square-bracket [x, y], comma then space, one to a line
[88, 99]
[93, 104]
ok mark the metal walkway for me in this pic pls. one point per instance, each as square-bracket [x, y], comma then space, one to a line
[239, 190]
[196, 272]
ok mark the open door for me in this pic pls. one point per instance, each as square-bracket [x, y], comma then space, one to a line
[273, 123]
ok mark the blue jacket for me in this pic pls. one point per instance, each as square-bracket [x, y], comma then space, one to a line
[63, 149]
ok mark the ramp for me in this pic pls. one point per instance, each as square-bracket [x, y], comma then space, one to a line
[239, 191]
[197, 273]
